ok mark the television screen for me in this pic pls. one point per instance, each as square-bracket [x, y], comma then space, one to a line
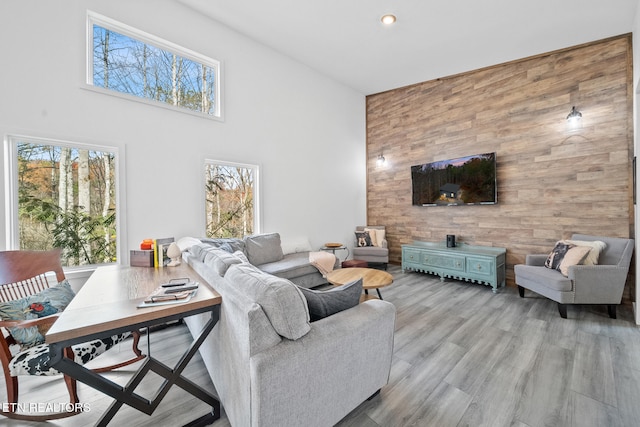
[467, 180]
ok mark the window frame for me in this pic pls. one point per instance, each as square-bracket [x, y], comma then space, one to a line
[11, 190]
[257, 210]
[150, 39]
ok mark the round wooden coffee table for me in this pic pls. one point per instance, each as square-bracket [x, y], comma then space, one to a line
[371, 278]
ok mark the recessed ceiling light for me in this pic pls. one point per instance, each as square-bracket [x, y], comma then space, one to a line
[388, 19]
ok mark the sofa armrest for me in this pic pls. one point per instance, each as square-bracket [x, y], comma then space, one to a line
[343, 360]
[598, 284]
[537, 260]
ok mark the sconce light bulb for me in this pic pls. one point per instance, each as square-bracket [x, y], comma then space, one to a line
[574, 115]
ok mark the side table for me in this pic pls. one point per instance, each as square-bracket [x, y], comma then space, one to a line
[333, 250]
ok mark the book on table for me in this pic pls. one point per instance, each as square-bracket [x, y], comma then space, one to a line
[170, 295]
[161, 259]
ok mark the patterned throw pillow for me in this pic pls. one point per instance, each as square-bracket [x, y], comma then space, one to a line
[50, 301]
[565, 255]
[363, 238]
[557, 255]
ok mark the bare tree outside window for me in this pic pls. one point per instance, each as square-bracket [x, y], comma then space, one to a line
[230, 201]
[131, 65]
[66, 199]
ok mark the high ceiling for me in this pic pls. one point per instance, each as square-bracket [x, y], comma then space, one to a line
[345, 39]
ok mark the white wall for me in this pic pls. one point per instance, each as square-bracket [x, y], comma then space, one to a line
[307, 132]
[636, 112]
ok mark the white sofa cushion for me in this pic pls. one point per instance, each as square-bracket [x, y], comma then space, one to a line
[281, 300]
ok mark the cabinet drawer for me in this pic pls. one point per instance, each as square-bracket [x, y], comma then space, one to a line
[443, 261]
[480, 266]
[410, 256]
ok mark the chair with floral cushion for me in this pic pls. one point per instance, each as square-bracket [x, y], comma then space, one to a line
[371, 245]
[33, 290]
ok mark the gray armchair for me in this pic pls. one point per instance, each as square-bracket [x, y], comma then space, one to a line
[372, 254]
[586, 284]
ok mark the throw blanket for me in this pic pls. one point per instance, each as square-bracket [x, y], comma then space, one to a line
[323, 261]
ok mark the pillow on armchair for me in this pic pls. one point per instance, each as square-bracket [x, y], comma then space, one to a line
[565, 255]
[377, 236]
[363, 238]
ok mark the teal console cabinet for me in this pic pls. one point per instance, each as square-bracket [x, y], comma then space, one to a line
[477, 264]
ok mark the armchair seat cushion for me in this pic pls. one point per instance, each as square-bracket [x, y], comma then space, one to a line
[35, 360]
[371, 251]
[542, 276]
[371, 254]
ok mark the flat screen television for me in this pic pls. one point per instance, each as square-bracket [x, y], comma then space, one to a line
[469, 180]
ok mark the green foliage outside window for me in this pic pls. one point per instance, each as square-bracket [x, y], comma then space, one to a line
[66, 199]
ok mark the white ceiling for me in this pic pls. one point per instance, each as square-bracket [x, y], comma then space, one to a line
[345, 39]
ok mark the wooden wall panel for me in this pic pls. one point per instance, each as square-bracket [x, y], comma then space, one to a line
[552, 180]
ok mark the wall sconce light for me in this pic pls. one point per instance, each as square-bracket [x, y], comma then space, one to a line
[380, 161]
[574, 115]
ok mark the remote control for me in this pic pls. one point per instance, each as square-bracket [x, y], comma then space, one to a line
[173, 290]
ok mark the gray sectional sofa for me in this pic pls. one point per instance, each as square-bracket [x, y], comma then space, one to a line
[265, 252]
[270, 364]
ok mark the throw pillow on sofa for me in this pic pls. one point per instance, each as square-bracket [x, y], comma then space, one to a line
[220, 260]
[263, 248]
[325, 303]
[281, 300]
[230, 244]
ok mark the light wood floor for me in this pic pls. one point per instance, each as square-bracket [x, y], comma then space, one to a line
[463, 356]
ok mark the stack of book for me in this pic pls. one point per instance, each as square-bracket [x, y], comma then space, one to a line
[160, 246]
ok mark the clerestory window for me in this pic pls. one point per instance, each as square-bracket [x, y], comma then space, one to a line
[63, 194]
[132, 63]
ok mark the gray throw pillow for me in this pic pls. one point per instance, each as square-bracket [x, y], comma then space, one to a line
[263, 248]
[228, 244]
[280, 299]
[325, 303]
[220, 260]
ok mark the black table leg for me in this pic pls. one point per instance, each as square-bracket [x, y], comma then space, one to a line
[126, 395]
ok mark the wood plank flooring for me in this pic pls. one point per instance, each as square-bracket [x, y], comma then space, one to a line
[463, 356]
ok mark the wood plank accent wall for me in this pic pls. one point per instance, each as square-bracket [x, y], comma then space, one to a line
[552, 180]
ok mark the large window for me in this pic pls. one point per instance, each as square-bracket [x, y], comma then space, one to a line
[231, 196]
[128, 61]
[62, 195]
